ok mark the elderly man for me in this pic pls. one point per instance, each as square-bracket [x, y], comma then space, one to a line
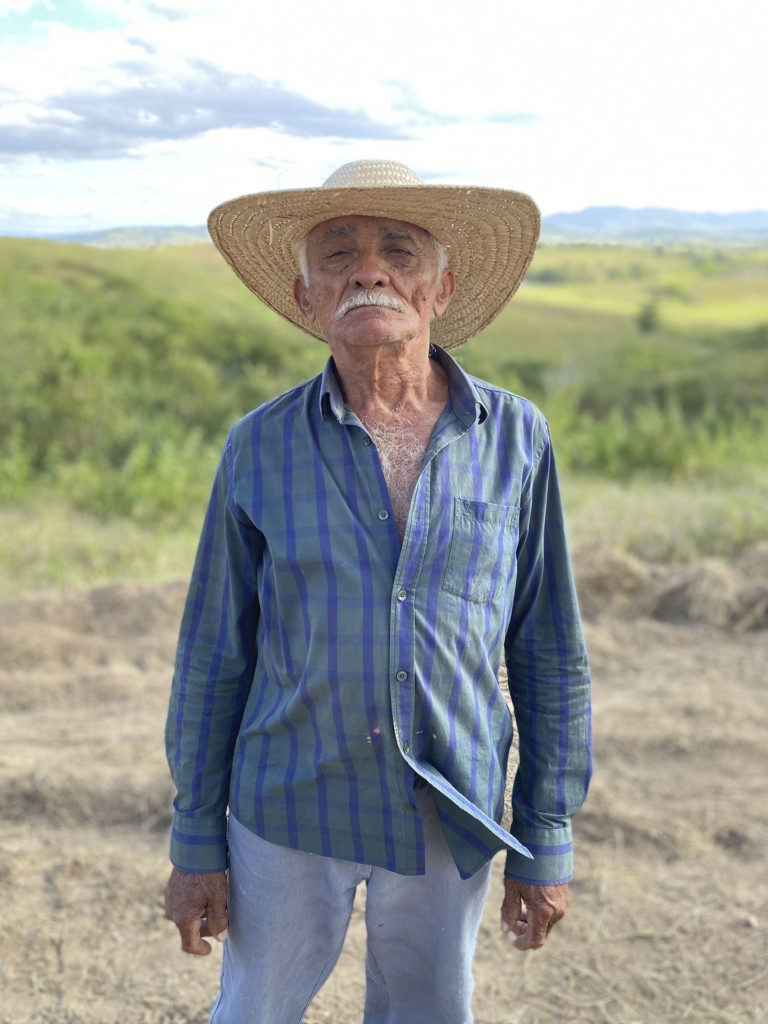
[375, 539]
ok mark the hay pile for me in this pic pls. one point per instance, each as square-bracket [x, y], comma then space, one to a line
[713, 592]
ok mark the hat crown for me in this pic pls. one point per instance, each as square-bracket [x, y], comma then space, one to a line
[372, 174]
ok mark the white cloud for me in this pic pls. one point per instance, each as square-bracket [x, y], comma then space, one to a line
[187, 101]
[147, 105]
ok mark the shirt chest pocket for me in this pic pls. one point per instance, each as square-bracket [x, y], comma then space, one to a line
[482, 548]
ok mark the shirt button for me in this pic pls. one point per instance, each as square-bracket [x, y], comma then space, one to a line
[367, 441]
[383, 514]
[401, 676]
[401, 595]
[411, 808]
[406, 748]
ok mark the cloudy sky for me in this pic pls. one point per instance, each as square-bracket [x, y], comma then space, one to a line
[128, 112]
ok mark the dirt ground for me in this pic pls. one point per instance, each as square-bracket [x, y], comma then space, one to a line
[669, 914]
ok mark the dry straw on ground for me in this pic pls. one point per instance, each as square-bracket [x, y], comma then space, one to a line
[669, 915]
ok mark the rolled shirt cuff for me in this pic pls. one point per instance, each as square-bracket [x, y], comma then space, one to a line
[199, 845]
[552, 850]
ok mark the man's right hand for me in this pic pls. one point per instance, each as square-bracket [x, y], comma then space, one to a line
[197, 905]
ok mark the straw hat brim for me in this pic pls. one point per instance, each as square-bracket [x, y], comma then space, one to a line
[490, 236]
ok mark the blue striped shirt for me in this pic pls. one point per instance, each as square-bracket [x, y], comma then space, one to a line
[322, 666]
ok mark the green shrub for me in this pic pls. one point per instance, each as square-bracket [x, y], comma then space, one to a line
[123, 370]
[648, 317]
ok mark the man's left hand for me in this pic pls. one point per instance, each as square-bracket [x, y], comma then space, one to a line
[531, 911]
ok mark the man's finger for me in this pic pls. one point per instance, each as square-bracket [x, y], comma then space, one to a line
[190, 938]
[217, 920]
[511, 911]
[538, 923]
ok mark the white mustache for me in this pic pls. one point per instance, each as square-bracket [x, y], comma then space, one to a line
[368, 298]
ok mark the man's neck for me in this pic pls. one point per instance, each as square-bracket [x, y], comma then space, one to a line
[391, 382]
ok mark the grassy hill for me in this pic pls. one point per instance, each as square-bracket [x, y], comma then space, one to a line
[123, 370]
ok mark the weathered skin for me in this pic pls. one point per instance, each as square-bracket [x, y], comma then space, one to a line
[197, 905]
[531, 911]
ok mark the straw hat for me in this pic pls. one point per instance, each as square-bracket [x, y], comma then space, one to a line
[490, 235]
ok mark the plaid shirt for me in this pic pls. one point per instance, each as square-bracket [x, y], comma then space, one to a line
[322, 666]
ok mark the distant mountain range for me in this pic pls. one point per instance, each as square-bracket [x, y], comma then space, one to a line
[137, 238]
[650, 225]
[654, 225]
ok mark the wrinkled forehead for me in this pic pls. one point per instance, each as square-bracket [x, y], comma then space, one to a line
[357, 226]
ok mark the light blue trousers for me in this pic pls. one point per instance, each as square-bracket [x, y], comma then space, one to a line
[288, 915]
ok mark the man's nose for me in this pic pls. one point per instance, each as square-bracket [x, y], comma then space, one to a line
[369, 273]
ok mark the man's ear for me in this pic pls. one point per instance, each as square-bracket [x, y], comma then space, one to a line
[446, 286]
[303, 300]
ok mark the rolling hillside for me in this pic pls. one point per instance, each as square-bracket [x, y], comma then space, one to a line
[123, 370]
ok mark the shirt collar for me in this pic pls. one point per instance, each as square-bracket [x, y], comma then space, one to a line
[331, 398]
[466, 402]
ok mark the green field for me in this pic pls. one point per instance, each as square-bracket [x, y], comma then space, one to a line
[123, 369]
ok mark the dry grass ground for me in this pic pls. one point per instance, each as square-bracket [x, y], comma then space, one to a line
[669, 915]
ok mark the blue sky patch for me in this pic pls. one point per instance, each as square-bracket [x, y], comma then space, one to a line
[72, 13]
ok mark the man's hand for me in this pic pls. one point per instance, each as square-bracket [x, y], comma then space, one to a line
[197, 905]
[530, 911]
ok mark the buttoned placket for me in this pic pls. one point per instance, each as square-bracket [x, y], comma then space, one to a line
[386, 517]
[405, 587]
[449, 428]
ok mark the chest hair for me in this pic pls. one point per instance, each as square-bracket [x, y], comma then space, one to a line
[402, 445]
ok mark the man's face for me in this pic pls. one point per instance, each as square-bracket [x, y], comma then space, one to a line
[372, 281]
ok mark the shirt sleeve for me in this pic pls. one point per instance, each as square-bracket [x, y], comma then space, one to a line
[214, 668]
[549, 685]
